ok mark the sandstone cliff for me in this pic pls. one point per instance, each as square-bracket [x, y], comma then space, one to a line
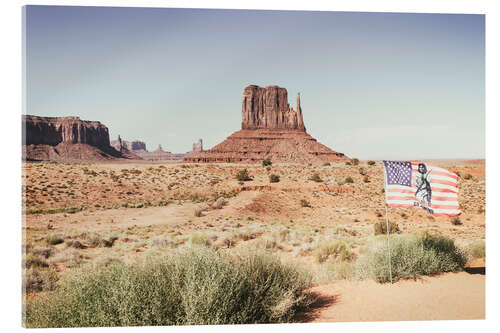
[268, 108]
[270, 129]
[65, 138]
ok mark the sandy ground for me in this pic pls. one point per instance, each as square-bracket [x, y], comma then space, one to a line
[122, 218]
[452, 296]
[255, 214]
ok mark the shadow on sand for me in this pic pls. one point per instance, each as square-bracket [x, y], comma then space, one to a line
[476, 270]
[320, 302]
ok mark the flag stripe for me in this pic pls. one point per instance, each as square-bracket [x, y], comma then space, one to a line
[443, 182]
[413, 198]
[441, 188]
[436, 168]
[407, 202]
[442, 177]
[412, 194]
[437, 212]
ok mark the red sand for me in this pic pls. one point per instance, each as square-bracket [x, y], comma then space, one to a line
[451, 296]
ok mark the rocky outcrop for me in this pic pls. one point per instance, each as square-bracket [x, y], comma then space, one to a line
[65, 138]
[270, 129]
[54, 130]
[131, 146]
[197, 146]
[138, 148]
[268, 108]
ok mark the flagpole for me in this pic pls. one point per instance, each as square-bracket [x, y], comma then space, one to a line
[387, 224]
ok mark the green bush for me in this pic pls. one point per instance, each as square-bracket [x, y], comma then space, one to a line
[266, 162]
[316, 178]
[478, 249]
[55, 239]
[380, 228]
[274, 178]
[371, 162]
[304, 203]
[200, 239]
[336, 249]
[196, 287]
[332, 270]
[349, 180]
[411, 256]
[243, 175]
[355, 161]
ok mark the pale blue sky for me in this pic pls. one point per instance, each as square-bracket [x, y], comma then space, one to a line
[373, 85]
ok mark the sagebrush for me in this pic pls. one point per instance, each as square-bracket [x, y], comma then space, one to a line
[411, 256]
[195, 287]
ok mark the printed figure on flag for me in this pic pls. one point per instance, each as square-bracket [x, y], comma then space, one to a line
[424, 190]
[412, 184]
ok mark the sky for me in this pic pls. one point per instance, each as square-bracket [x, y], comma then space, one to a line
[373, 85]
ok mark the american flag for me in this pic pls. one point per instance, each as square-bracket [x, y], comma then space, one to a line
[422, 185]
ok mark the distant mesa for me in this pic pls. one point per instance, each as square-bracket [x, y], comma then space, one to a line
[270, 129]
[66, 139]
[138, 148]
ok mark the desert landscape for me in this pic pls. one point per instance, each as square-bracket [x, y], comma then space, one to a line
[269, 188]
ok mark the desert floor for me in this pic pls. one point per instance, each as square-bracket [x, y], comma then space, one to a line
[80, 214]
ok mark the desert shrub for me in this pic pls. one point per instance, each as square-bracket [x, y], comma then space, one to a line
[36, 279]
[335, 270]
[268, 168]
[355, 161]
[348, 163]
[468, 176]
[75, 243]
[456, 221]
[266, 162]
[326, 164]
[362, 171]
[349, 180]
[194, 287]
[70, 257]
[336, 249]
[380, 228]
[366, 179]
[371, 162]
[243, 175]
[274, 178]
[284, 235]
[478, 249]
[219, 203]
[245, 235]
[98, 240]
[411, 256]
[316, 178]
[162, 242]
[199, 239]
[32, 260]
[198, 212]
[55, 239]
[304, 203]
[44, 252]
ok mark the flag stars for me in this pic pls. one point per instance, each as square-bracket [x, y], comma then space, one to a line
[398, 173]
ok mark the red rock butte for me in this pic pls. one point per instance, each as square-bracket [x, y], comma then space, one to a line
[270, 129]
